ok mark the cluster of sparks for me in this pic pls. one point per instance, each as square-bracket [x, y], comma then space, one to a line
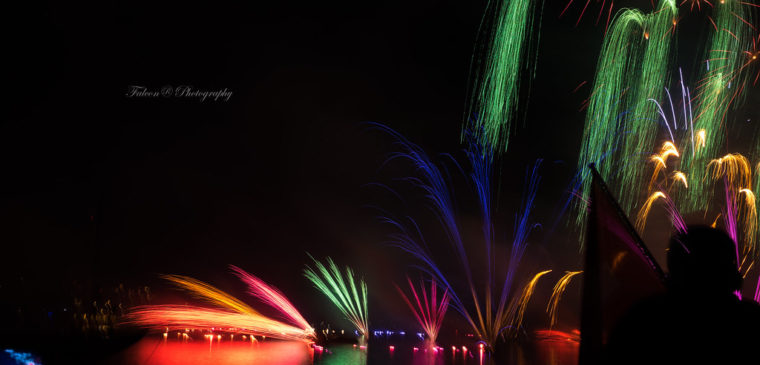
[632, 68]
[553, 306]
[429, 311]
[489, 305]
[348, 295]
[633, 72]
[231, 314]
[684, 178]
[497, 88]
[733, 170]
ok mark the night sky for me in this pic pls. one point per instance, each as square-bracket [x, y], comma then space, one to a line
[101, 188]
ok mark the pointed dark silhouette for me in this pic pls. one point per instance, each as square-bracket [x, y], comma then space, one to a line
[700, 319]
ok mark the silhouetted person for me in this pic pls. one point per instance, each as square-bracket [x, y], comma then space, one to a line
[699, 319]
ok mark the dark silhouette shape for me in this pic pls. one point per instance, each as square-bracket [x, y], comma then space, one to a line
[699, 319]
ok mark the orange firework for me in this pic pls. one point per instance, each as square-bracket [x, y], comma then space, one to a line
[233, 314]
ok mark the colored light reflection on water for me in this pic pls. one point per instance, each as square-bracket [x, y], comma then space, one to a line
[159, 352]
[546, 350]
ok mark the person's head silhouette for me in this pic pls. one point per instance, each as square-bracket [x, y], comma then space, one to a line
[702, 261]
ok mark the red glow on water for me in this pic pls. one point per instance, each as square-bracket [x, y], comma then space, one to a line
[158, 352]
[554, 335]
[553, 344]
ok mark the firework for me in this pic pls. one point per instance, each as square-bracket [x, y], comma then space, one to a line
[559, 289]
[234, 314]
[695, 4]
[210, 294]
[487, 305]
[739, 212]
[429, 311]
[161, 316]
[631, 70]
[517, 309]
[675, 215]
[342, 292]
[497, 87]
[610, 4]
[736, 173]
[721, 88]
[272, 297]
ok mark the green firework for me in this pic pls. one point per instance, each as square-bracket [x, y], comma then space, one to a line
[757, 192]
[342, 292]
[621, 121]
[497, 87]
[719, 90]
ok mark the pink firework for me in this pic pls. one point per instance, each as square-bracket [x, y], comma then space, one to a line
[429, 311]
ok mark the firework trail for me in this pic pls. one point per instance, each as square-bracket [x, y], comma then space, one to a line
[632, 69]
[675, 216]
[271, 296]
[517, 309]
[430, 310]
[488, 311]
[343, 293]
[497, 87]
[736, 173]
[559, 289]
[607, 14]
[234, 315]
[721, 88]
[680, 176]
[161, 316]
[210, 294]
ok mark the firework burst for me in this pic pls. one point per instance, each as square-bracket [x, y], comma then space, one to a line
[343, 293]
[553, 306]
[509, 52]
[232, 315]
[429, 311]
[488, 305]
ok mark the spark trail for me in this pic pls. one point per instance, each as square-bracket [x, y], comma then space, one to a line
[721, 88]
[429, 311]
[343, 293]
[487, 303]
[510, 49]
[518, 307]
[559, 289]
[232, 314]
[632, 69]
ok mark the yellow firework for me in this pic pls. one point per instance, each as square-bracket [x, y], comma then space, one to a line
[641, 218]
[559, 289]
[749, 218]
[701, 138]
[210, 294]
[734, 167]
[680, 176]
[517, 310]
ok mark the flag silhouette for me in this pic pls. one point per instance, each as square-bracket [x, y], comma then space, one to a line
[618, 272]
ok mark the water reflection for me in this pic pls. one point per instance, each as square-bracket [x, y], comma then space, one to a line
[157, 351]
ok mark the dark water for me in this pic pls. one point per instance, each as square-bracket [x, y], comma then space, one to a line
[155, 350]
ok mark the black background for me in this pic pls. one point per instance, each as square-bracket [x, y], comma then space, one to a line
[100, 188]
